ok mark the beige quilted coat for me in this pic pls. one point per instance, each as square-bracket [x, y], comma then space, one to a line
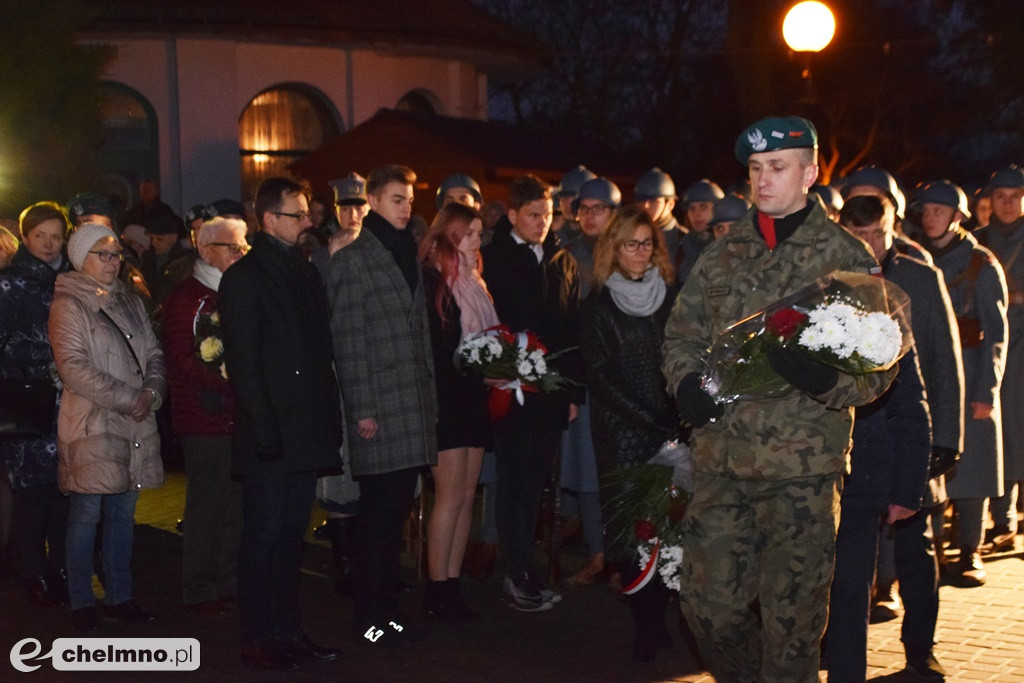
[101, 448]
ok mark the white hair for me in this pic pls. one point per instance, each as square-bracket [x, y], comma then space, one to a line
[215, 228]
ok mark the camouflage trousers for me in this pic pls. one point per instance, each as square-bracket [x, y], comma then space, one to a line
[757, 565]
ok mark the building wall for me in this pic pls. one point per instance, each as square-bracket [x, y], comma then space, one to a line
[199, 88]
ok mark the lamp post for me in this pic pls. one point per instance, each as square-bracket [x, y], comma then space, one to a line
[808, 28]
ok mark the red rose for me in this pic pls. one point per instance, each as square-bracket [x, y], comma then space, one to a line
[785, 322]
[644, 530]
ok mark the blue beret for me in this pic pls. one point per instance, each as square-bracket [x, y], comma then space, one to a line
[776, 132]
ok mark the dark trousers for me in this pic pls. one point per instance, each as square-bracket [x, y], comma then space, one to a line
[384, 502]
[39, 521]
[212, 521]
[846, 639]
[918, 574]
[275, 514]
[524, 458]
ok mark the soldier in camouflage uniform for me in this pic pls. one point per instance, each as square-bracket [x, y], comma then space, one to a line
[761, 527]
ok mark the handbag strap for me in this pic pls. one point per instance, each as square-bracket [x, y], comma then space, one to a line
[124, 337]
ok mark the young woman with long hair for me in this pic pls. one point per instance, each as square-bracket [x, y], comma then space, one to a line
[458, 304]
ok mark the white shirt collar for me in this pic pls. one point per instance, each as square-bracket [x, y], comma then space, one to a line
[538, 249]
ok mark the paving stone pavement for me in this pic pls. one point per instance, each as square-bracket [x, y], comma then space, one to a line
[588, 636]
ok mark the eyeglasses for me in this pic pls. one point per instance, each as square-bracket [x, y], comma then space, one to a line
[230, 246]
[105, 256]
[298, 215]
[599, 208]
[633, 245]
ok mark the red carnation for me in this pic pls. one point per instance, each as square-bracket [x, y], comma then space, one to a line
[785, 322]
[644, 530]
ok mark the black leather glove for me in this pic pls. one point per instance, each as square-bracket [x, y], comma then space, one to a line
[802, 371]
[943, 461]
[696, 406]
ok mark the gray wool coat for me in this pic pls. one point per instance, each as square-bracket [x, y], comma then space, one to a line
[383, 359]
[980, 472]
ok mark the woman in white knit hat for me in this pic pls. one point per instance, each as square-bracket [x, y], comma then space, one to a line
[113, 372]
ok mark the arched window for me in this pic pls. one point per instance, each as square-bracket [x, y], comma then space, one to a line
[130, 148]
[419, 102]
[278, 127]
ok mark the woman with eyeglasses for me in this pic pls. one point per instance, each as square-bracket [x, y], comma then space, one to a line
[202, 410]
[114, 379]
[632, 413]
[39, 510]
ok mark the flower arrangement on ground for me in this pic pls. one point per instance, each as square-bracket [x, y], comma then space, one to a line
[854, 322]
[518, 360]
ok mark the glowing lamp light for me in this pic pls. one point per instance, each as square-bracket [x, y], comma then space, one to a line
[261, 158]
[808, 26]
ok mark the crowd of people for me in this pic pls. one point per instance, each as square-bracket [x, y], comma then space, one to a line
[305, 348]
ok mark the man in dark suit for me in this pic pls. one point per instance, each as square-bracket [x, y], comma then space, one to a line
[535, 287]
[277, 346]
[385, 367]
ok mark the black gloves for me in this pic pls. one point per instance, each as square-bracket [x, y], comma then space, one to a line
[802, 371]
[943, 461]
[696, 407]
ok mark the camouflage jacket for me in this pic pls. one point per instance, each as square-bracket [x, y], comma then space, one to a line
[796, 435]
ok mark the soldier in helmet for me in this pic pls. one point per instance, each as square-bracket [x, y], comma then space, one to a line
[1004, 236]
[655, 195]
[831, 198]
[460, 188]
[728, 210]
[568, 228]
[978, 293]
[699, 204]
[759, 532]
[595, 206]
[873, 180]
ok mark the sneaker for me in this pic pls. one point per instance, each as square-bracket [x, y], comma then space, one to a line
[523, 594]
[546, 594]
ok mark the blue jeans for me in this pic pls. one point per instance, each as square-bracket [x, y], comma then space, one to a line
[118, 512]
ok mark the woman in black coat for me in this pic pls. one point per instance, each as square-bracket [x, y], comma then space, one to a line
[632, 413]
[26, 291]
[458, 304]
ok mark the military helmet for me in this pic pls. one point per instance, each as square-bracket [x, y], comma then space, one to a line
[88, 204]
[876, 176]
[654, 184]
[198, 211]
[945, 193]
[830, 196]
[1012, 176]
[458, 180]
[601, 189]
[729, 209]
[573, 180]
[224, 207]
[703, 191]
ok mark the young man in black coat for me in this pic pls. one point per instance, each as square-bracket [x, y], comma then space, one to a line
[288, 426]
[535, 287]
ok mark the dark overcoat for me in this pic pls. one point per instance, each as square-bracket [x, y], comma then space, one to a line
[383, 356]
[277, 345]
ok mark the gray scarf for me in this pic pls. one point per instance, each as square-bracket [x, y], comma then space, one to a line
[207, 274]
[638, 298]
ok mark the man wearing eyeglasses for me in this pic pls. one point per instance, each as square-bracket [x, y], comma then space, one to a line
[385, 368]
[287, 416]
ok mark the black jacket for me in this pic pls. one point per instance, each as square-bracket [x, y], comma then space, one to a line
[631, 412]
[545, 298]
[891, 445]
[277, 344]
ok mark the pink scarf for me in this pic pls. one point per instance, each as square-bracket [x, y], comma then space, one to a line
[473, 300]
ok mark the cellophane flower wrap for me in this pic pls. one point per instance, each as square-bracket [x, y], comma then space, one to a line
[647, 505]
[209, 341]
[854, 322]
[517, 358]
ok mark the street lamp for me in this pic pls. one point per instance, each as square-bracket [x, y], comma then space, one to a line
[808, 28]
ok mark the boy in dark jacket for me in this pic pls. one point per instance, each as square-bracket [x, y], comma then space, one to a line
[535, 287]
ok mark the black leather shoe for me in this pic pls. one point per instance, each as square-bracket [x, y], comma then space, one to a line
[129, 611]
[927, 668]
[85, 619]
[269, 655]
[998, 539]
[300, 648]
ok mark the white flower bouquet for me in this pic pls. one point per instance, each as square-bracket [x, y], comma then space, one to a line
[854, 322]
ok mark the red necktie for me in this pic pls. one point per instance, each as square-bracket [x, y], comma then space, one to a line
[767, 226]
